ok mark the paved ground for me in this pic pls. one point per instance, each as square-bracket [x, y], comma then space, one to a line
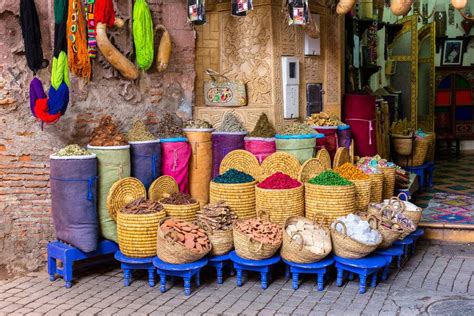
[437, 280]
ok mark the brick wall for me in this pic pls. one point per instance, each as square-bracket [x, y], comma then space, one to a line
[25, 219]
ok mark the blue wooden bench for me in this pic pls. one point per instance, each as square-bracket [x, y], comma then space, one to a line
[220, 263]
[128, 264]
[67, 254]
[319, 268]
[394, 252]
[406, 243]
[262, 266]
[364, 267]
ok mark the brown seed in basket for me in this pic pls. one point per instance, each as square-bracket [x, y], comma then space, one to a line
[189, 243]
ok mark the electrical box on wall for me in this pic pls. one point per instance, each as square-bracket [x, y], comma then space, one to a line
[291, 82]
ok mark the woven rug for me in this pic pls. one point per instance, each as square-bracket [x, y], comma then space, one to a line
[449, 208]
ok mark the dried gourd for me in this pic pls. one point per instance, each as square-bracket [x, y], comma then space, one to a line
[400, 7]
[312, 28]
[164, 49]
[345, 6]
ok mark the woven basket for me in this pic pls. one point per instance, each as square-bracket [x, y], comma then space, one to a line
[240, 197]
[173, 252]
[362, 194]
[282, 162]
[346, 247]
[389, 175]
[389, 235]
[161, 187]
[222, 240]
[185, 212]
[376, 187]
[243, 161]
[324, 157]
[280, 204]
[414, 216]
[341, 157]
[430, 154]
[137, 233]
[293, 251]
[402, 144]
[310, 169]
[418, 157]
[123, 192]
[325, 203]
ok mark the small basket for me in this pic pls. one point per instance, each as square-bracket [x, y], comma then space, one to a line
[402, 144]
[222, 240]
[295, 252]
[240, 197]
[325, 203]
[414, 216]
[172, 252]
[243, 161]
[185, 212]
[418, 157]
[362, 194]
[123, 192]
[310, 169]
[389, 176]
[323, 156]
[341, 157]
[136, 233]
[281, 162]
[376, 187]
[280, 203]
[389, 235]
[346, 247]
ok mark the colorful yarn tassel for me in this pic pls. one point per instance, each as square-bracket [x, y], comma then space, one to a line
[143, 35]
[104, 12]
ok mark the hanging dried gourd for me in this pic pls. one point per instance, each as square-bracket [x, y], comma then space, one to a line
[311, 28]
[164, 50]
[459, 4]
[344, 6]
[400, 7]
[197, 12]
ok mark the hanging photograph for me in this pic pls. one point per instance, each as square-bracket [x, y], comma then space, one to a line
[298, 12]
[196, 12]
[241, 7]
[452, 52]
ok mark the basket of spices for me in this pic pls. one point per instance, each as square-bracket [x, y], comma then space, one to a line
[281, 162]
[299, 140]
[261, 141]
[217, 220]
[353, 238]
[281, 197]
[361, 183]
[326, 124]
[329, 196]
[180, 206]
[304, 241]
[387, 168]
[257, 238]
[237, 190]
[137, 225]
[396, 208]
[180, 242]
[243, 161]
[371, 168]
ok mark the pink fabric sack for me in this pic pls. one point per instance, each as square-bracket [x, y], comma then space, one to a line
[175, 154]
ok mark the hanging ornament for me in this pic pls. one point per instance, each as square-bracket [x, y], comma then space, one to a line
[451, 14]
[467, 23]
[91, 34]
[241, 7]
[459, 4]
[344, 6]
[440, 19]
[298, 12]
[197, 12]
[400, 7]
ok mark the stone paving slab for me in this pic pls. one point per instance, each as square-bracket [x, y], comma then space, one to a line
[437, 280]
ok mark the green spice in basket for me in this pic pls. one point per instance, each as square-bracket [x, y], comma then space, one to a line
[72, 150]
[233, 176]
[139, 133]
[263, 128]
[298, 129]
[329, 177]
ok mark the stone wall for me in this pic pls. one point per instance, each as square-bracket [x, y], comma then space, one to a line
[25, 219]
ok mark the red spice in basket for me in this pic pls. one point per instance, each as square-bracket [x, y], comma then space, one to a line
[278, 181]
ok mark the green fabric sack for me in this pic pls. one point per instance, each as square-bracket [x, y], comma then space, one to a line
[303, 148]
[113, 164]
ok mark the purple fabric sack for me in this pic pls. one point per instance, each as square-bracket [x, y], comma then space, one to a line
[74, 199]
[222, 144]
[146, 161]
[344, 136]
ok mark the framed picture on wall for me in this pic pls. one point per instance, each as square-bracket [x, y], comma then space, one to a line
[453, 52]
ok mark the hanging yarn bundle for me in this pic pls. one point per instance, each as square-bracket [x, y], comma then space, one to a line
[31, 31]
[143, 35]
[77, 50]
[91, 34]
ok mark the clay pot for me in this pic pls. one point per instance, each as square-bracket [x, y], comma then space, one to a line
[400, 7]
[467, 26]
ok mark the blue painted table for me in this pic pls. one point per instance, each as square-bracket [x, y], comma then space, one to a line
[185, 271]
[364, 267]
[262, 266]
[220, 262]
[67, 254]
[406, 243]
[129, 264]
[389, 254]
[318, 268]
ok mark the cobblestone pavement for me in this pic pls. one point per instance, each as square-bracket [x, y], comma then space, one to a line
[437, 280]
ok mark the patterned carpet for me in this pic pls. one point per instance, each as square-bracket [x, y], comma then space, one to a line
[451, 200]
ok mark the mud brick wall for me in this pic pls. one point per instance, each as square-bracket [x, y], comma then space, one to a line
[25, 207]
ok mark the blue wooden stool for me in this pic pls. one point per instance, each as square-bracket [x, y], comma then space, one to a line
[185, 271]
[129, 264]
[67, 254]
[220, 262]
[318, 268]
[406, 243]
[262, 266]
[430, 168]
[417, 234]
[364, 267]
[389, 254]
[420, 172]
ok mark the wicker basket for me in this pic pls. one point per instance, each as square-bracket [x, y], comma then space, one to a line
[243, 161]
[430, 154]
[325, 203]
[222, 240]
[414, 216]
[376, 187]
[362, 194]
[161, 187]
[310, 169]
[418, 157]
[389, 175]
[185, 212]
[123, 192]
[346, 247]
[240, 197]
[341, 157]
[389, 235]
[295, 252]
[136, 233]
[248, 248]
[173, 252]
[280, 203]
[281, 162]
[402, 144]
[323, 156]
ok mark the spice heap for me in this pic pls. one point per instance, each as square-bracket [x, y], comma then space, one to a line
[231, 123]
[178, 198]
[72, 150]
[170, 126]
[261, 231]
[279, 181]
[351, 172]
[323, 119]
[218, 216]
[187, 234]
[298, 129]
[374, 162]
[329, 177]
[263, 128]
[358, 229]
[142, 206]
[139, 133]
[314, 239]
[107, 134]
[233, 176]
[197, 124]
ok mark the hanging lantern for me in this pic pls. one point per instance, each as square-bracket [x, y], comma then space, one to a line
[344, 6]
[459, 4]
[400, 7]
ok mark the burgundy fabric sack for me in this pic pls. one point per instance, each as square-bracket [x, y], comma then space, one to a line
[74, 200]
[222, 144]
[145, 159]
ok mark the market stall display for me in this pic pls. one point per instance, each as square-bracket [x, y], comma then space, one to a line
[362, 184]
[384, 223]
[299, 140]
[181, 206]
[310, 169]
[376, 164]
[162, 187]
[281, 162]
[243, 161]
[261, 141]
[123, 192]
[175, 153]
[341, 157]
[325, 159]
[328, 125]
